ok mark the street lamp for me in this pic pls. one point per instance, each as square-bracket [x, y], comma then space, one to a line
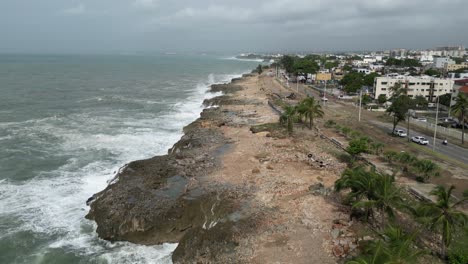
[360, 104]
[435, 129]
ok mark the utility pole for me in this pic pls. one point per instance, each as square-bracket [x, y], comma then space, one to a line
[325, 93]
[360, 104]
[435, 128]
[408, 126]
[297, 83]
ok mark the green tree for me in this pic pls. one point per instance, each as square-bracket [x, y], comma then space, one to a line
[366, 99]
[352, 81]
[460, 110]
[287, 62]
[377, 147]
[445, 99]
[432, 72]
[358, 146]
[347, 67]
[310, 109]
[427, 168]
[331, 64]
[396, 247]
[305, 66]
[399, 109]
[259, 69]
[385, 197]
[382, 99]
[369, 79]
[358, 181]
[287, 118]
[443, 215]
[420, 102]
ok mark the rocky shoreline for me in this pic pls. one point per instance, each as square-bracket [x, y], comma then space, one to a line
[166, 199]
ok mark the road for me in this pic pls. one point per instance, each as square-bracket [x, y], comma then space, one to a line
[450, 150]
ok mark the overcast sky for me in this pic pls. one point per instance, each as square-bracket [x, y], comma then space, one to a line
[115, 26]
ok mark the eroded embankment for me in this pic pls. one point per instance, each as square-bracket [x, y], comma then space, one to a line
[165, 199]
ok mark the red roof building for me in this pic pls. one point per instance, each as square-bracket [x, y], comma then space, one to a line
[461, 82]
[463, 89]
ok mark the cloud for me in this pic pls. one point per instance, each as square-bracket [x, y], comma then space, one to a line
[76, 10]
[239, 24]
[146, 4]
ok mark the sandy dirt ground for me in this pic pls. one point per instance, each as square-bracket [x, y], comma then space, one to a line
[277, 173]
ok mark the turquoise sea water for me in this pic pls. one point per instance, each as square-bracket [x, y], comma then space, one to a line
[67, 123]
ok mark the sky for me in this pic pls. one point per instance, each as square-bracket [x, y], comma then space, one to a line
[135, 26]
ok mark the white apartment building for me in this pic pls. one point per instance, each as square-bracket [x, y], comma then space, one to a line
[426, 86]
[457, 76]
[440, 62]
[364, 70]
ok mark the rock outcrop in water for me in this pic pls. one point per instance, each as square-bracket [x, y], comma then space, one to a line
[165, 198]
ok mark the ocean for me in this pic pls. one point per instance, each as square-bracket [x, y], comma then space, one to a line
[68, 123]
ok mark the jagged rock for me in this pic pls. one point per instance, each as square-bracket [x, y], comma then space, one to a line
[255, 170]
[338, 251]
[335, 233]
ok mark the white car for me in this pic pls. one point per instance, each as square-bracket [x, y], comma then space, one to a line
[400, 133]
[324, 99]
[420, 140]
[422, 119]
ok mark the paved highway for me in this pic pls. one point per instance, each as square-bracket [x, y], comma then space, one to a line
[450, 150]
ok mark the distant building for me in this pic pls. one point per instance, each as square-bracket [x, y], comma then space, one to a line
[323, 76]
[440, 62]
[460, 86]
[452, 51]
[416, 85]
[454, 67]
[364, 70]
[338, 74]
[457, 76]
[398, 53]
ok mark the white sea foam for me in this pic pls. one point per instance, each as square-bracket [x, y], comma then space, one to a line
[240, 59]
[53, 203]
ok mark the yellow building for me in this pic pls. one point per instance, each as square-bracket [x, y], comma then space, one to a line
[454, 67]
[323, 76]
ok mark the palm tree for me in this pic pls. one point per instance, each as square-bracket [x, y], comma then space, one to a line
[359, 181]
[311, 110]
[400, 246]
[375, 255]
[385, 197]
[377, 147]
[427, 168]
[460, 109]
[443, 215]
[396, 247]
[288, 117]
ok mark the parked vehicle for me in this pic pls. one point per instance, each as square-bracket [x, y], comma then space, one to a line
[324, 99]
[422, 119]
[400, 133]
[420, 140]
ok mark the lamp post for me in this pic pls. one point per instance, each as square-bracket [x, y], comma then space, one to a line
[360, 104]
[435, 128]
[408, 125]
[450, 104]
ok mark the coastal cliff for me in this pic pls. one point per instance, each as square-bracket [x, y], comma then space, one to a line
[236, 188]
[166, 199]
